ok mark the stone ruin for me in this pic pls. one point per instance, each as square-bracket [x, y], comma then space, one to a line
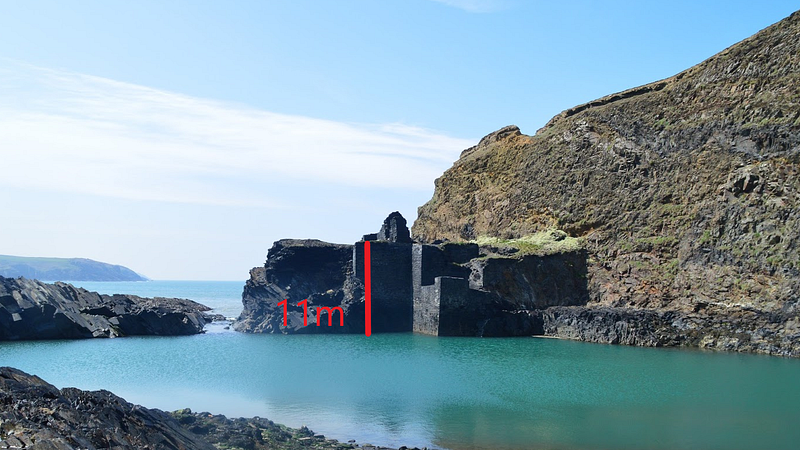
[449, 289]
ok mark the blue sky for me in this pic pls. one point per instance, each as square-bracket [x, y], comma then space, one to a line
[182, 138]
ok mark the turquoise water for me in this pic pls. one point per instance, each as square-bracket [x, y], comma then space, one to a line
[459, 393]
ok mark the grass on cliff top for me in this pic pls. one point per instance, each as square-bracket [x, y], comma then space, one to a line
[545, 242]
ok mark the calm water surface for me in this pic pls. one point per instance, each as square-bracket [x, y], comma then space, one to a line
[458, 393]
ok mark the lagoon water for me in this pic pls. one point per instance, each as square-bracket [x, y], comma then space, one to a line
[456, 393]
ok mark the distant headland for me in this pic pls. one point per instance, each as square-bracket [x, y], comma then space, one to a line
[64, 269]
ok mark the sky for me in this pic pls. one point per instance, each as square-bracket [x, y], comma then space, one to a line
[182, 138]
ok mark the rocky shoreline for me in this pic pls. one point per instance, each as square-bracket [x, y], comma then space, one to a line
[735, 329]
[31, 309]
[37, 415]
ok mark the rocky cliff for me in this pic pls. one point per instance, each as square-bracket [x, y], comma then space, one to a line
[684, 192]
[31, 309]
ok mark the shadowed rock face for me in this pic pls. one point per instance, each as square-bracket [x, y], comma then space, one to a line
[685, 191]
[738, 329]
[30, 309]
[298, 270]
[35, 414]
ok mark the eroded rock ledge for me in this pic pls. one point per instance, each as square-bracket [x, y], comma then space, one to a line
[31, 309]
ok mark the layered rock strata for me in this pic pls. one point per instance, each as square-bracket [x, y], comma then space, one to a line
[31, 309]
[685, 193]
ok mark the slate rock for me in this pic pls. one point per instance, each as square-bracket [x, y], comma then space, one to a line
[31, 309]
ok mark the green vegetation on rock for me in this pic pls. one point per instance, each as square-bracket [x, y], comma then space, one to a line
[684, 192]
[542, 243]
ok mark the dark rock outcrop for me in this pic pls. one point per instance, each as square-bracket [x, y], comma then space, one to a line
[394, 229]
[685, 192]
[533, 281]
[36, 415]
[259, 434]
[732, 329]
[31, 309]
[460, 290]
[297, 270]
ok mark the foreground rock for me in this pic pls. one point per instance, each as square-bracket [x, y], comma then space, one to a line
[259, 434]
[37, 415]
[31, 309]
[34, 414]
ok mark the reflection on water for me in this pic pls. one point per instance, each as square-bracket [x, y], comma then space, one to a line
[459, 393]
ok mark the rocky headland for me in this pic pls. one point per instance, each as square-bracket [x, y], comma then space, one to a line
[684, 192]
[64, 269]
[664, 215]
[31, 309]
[36, 415]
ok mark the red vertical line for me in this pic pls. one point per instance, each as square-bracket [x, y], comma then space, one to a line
[367, 290]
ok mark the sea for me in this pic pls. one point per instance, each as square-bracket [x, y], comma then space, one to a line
[447, 393]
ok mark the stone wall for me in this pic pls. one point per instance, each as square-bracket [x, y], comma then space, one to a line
[426, 309]
[532, 281]
[392, 290]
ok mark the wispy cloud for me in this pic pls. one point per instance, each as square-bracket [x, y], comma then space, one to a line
[77, 133]
[478, 6]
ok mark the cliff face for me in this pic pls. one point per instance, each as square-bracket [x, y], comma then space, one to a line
[297, 270]
[685, 192]
[30, 309]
